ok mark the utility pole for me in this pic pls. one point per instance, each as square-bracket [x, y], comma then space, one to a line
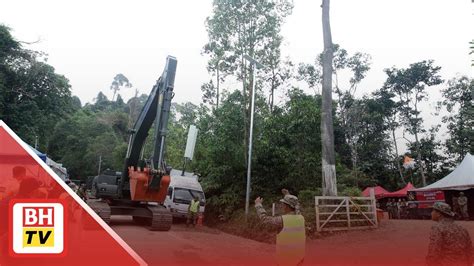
[255, 65]
[100, 164]
[36, 142]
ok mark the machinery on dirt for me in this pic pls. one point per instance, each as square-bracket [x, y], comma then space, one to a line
[141, 188]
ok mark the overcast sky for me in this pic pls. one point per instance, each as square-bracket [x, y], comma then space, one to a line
[91, 41]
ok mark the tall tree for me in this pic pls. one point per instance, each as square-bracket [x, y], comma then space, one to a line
[390, 109]
[432, 160]
[119, 82]
[327, 128]
[410, 85]
[458, 101]
[238, 28]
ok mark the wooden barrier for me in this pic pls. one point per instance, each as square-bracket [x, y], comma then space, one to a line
[345, 213]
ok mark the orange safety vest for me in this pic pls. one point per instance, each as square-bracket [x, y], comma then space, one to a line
[291, 241]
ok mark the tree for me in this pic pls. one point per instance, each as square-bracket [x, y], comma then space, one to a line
[279, 75]
[33, 98]
[238, 28]
[432, 160]
[472, 50]
[458, 101]
[327, 130]
[120, 81]
[390, 118]
[210, 94]
[409, 85]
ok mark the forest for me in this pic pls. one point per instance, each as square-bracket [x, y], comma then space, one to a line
[38, 104]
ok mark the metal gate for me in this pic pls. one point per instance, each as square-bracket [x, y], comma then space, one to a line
[345, 213]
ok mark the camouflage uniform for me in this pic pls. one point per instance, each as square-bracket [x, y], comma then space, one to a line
[462, 202]
[450, 243]
[275, 222]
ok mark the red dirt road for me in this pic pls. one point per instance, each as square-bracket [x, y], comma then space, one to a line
[396, 242]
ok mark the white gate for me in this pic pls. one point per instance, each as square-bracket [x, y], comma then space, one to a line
[345, 213]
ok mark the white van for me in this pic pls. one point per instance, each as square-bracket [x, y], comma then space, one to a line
[181, 191]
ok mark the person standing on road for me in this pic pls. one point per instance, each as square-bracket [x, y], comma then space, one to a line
[399, 208]
[455, 207]
[81, 192]
[450, 243]
[291, 239]
[462, 202]
[390, 207]
[404, 211]
[193, 211]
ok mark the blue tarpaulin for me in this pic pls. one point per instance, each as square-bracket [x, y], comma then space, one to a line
[41, 155]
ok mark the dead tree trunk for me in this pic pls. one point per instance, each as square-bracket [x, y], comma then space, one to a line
[327, 129]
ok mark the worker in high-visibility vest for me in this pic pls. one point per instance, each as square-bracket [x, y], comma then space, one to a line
[291, 239]
[193, 211]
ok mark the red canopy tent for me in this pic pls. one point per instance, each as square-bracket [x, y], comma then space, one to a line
[400, 193]
[378, 190]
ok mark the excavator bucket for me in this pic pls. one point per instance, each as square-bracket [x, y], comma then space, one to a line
[139, 186]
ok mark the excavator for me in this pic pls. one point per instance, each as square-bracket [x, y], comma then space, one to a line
[140, 189]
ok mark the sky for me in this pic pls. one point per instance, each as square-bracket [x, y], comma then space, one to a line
[91, 41]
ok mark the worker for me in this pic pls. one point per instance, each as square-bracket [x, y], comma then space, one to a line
[193, 211]
[450, 243]
[455, 207]
[462, 202]
[81, 192]
[399, 209]
[390, 208]
[291, 239]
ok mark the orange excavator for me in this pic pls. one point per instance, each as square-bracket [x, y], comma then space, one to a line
[141, 188]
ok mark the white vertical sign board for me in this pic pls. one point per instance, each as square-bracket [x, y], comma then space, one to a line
[191, 142]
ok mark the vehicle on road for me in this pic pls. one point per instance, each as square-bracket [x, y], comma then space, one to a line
[182, 189]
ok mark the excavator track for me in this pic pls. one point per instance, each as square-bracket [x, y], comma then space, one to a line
[102, 208]
[161, 219]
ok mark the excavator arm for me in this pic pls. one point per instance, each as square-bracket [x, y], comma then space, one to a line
[149, 182]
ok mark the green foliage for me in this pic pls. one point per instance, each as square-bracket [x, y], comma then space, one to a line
[33, 98]
[351, 192]
[458, 101]
[306, 196]
[472, 50]
[97, 130]
[410, 85]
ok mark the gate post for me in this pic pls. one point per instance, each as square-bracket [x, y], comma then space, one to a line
[348, 213]
[316, 206]
[374, 205]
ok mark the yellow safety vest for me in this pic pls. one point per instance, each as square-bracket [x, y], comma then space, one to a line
[194, 206]
[291, 241]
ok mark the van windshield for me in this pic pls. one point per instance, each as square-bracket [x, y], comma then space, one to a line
[184, 195]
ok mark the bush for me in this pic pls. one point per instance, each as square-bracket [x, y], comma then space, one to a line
[351, 192]
[306, 197]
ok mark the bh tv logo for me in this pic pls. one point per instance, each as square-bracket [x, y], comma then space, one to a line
[36, 227]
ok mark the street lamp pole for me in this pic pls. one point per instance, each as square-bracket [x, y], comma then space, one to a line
[255, 65]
